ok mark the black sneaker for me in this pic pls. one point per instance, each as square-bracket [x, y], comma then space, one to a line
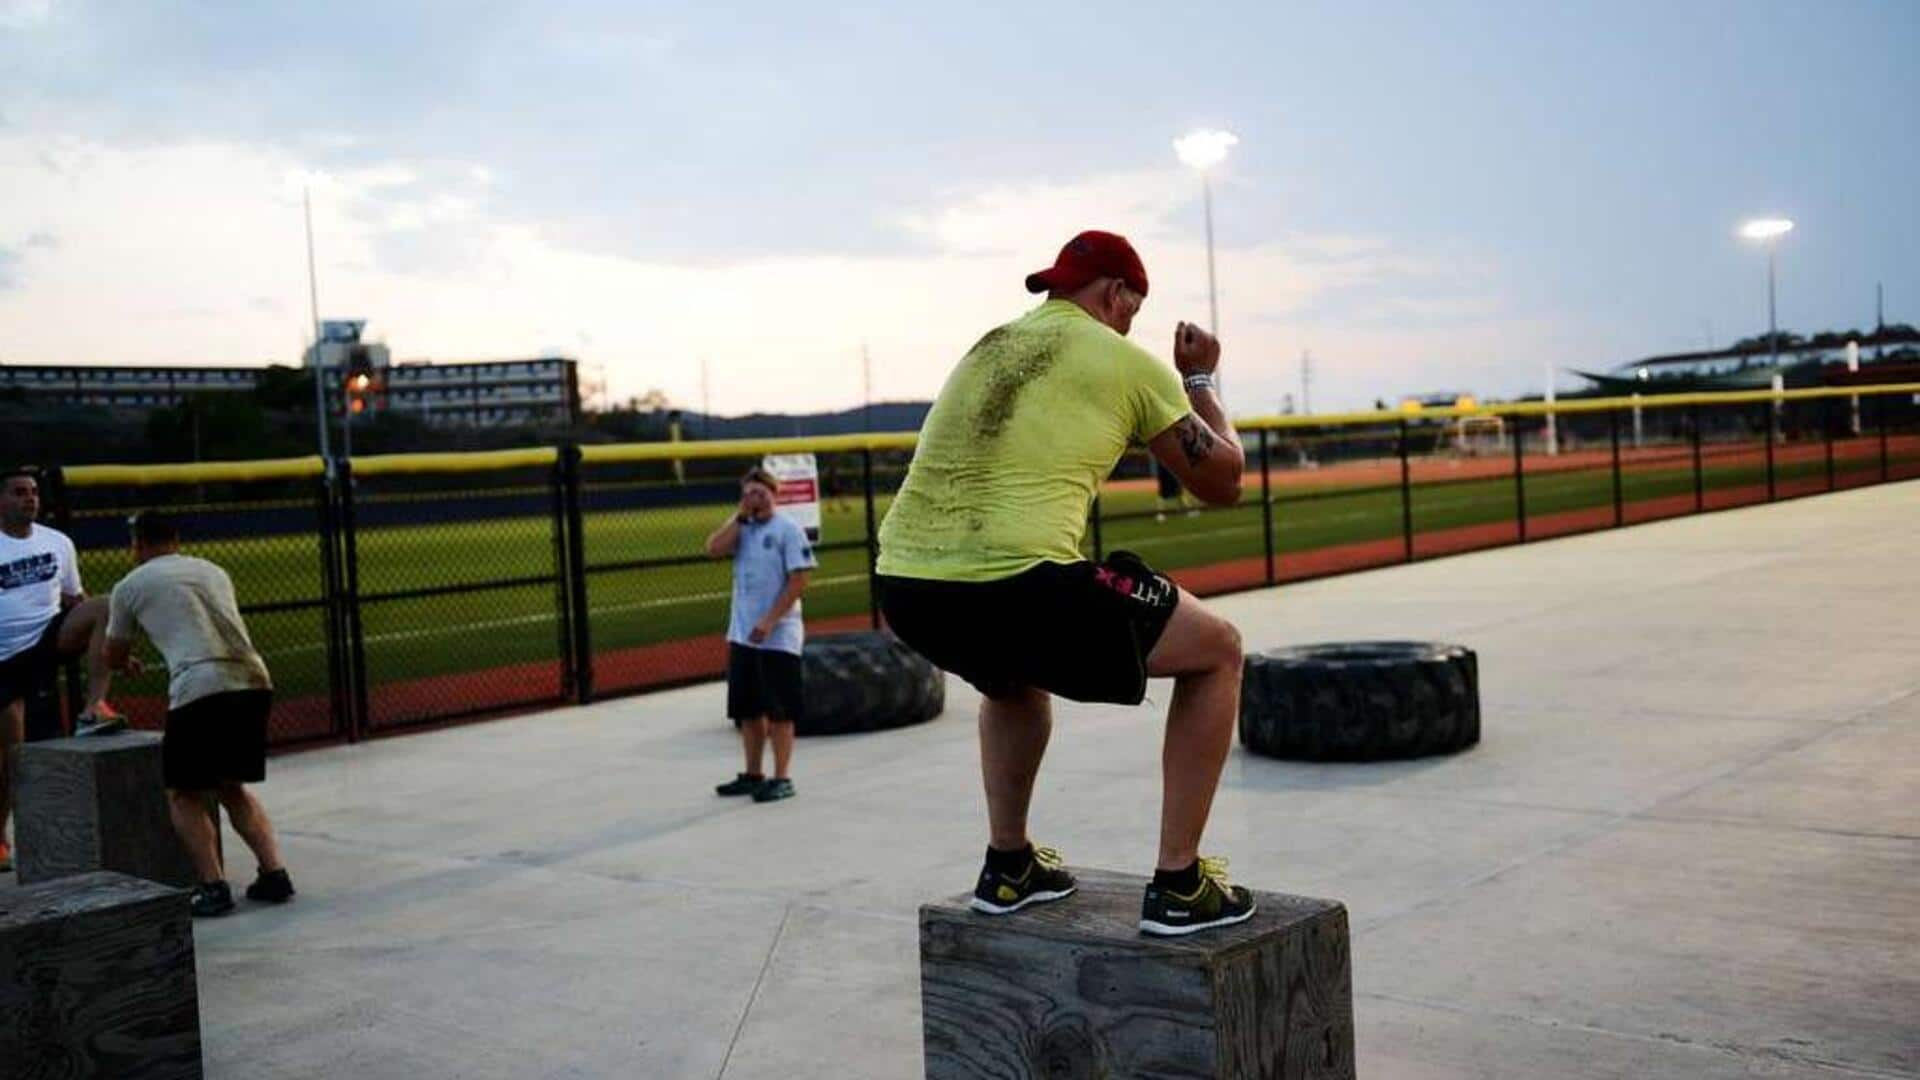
[211, 899]
[272, 886]
[743, 784]
[1045, 879]
[1216, 902]
[777, 788]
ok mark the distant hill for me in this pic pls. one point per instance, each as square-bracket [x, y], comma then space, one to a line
[884, 416]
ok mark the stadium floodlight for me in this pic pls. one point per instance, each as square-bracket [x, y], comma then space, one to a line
[1769, 231]
[1205, 148]
[1766, 228]
[1201, 150]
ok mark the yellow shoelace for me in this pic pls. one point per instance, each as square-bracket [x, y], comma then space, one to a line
[1048, 858]
[1215, 868]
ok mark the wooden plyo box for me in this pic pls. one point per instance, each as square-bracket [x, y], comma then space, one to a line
[1074, 989]
[97, 979]
[96, 804]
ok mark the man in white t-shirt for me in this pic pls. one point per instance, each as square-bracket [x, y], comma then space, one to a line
[45, 618]
[219, 696]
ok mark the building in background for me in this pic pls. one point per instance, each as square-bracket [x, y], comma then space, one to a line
[120, 387]
[1887, 354]
[477, 393]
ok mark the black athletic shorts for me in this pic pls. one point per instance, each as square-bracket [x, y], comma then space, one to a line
[1080, 630]
[763, 682]
[25, 672]
[218, 739]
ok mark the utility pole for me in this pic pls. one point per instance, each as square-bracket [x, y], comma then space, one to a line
[706, 401]
[866, 387]
[1879, 315]
[1306, 382]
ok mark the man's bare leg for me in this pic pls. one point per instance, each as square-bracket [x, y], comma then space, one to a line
[250, 821]
[195, 828]
[780, 734]
[85, 631]
[753, 739]
[1201, 651]
[13, 731]
[1013, 739]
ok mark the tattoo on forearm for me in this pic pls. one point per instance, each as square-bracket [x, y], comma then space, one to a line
[1196, 440]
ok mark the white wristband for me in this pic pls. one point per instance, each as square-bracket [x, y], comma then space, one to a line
[1201, 380]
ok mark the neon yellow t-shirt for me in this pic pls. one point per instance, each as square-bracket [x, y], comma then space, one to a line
[1027, 426]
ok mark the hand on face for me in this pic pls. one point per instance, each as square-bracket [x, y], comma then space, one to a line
[1194, 350]
[756, 502]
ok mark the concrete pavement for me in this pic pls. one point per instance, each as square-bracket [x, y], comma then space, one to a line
[1688, 846]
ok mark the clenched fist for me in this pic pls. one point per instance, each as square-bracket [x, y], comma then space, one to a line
[1194, 350]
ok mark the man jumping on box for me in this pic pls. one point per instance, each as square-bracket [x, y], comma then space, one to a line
[980, 566]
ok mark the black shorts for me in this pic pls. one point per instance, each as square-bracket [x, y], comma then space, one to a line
[763, 682]
[25, 672]
[218, 739]
[1080, 630]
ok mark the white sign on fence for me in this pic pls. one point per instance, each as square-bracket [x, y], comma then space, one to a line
[799, 494]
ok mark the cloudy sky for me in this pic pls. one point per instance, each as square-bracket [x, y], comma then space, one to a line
[1428, 195]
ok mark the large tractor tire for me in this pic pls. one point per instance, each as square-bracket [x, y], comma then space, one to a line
[867, 681]
[1363, 701]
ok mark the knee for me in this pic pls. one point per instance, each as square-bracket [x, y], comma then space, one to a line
[186, 799]
[1232, 649]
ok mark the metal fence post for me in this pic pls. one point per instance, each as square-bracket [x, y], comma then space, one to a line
[1519, 484]
[1619, 497]
[1266, 506]
[1826, 431]
[1769, 415]
[359, 722]
[1880, 418]
[57, 499]
[1406, 495]
[873, 539]
[339, 683]
[576, 573]
[1699, 479]
[562, 593]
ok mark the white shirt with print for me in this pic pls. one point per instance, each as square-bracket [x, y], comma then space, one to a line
[34, 573]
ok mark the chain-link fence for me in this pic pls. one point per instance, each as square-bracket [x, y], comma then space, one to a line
[273, 526]
[405, 590]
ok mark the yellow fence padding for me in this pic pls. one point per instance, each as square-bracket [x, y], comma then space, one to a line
[490, 460]
[200, 472]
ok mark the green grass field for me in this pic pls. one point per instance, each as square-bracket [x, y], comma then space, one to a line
[423, 636]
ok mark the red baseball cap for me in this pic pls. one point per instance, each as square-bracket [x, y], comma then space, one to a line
[1088, 257]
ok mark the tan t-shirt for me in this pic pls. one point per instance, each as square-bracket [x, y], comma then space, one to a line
[187, 608]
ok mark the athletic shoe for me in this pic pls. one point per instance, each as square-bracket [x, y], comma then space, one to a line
[99, 718]
[1216, 902]
[742, 784]
[1044, 879]
[6, 857]
[777, 788]
[272, 886]
[211, 900]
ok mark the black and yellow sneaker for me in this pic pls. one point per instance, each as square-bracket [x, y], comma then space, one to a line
[1216, 902]
[1044, 879]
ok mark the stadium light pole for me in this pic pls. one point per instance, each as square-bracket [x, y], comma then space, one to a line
[1769, 231]
[1201, 151]
[313, 301]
